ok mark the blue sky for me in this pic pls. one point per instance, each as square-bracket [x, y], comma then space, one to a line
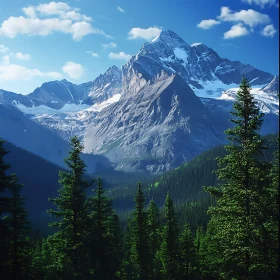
[79, 39]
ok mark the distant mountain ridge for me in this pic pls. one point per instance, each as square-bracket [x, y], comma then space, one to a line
[168, 103]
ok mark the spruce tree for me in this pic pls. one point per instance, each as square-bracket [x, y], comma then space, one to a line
[169, 251]
[104, 235]
[242, 218]
[139, 252]
[153, 224]
[186, 252]
[4, 205]
[18, 244]
[72, 212]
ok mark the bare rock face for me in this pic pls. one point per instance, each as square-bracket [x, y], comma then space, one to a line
[168, 103]
[155, 129]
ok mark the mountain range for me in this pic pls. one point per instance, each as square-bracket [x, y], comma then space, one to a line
[168, 103]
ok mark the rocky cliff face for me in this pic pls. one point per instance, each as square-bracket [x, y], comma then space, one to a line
[168, 103]
[157, 128]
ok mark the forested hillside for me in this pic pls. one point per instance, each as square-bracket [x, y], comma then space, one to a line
[91, 240]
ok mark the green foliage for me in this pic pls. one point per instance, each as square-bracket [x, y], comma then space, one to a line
[4, 204]
[139, 256]
[72, 214]
[154, 237]
[16, 220]
[168, 253]
[104, 235]
[243, 222]
[187, 252]
[14, 248]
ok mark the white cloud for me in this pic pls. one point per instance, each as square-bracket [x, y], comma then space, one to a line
[110, 45]
[236, 31]
[208, 23]
[93, 54]
[15, 72]
[146, 34]
[74, 70]
[22, 56]
[3, 49]
[249, 17]
[119, 56]
[6, 60]
[46, 19]
[269, 31]
[120, 9]
[29, 11]
[261, 3]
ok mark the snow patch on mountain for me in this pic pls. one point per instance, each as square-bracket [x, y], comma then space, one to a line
[42, 109]
[266, 101]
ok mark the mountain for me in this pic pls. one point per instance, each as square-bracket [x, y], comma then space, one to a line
[168, 103]
[272, 87]
[104, 86]
[200, 66]
[154, 129]
[25, 133]
[58, 93]
[64, 96]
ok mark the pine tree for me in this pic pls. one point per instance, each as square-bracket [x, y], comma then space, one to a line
[4, 205]
[169, 251]
[18, 244]
[139, 253]
[186, 252]
[72, 213]
[153, 224]
[275, 205]
[104, 233]
[242, 216]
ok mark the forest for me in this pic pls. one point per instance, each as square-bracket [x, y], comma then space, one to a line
[164, 227]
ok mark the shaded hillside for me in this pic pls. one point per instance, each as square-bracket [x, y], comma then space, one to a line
[184, 184]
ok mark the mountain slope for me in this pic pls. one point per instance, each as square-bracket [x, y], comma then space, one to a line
[201, 67]
[157, 128]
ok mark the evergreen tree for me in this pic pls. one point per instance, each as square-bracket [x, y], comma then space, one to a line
[275, 203]
[186, 252]
[169, 251]
[104, 233]
[72, 213]
[18, 244]
[139, 252]
[4, 205]
[242, 219]
[153, 224]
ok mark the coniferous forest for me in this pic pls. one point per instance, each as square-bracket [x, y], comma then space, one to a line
[154, 238]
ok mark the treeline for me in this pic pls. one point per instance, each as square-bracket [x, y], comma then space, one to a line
[240, 241]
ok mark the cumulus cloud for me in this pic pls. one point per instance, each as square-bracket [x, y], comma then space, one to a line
[93, 54]
[46, 19]
[3, 49]
[269, 31]
[110, 45]
[261, 3]
[120, 9]
[15, 72]
[119, 56]
[22, 56]
[208, 23]
[146, 34]
[73, 70]
[236, 31]
[248, 17]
